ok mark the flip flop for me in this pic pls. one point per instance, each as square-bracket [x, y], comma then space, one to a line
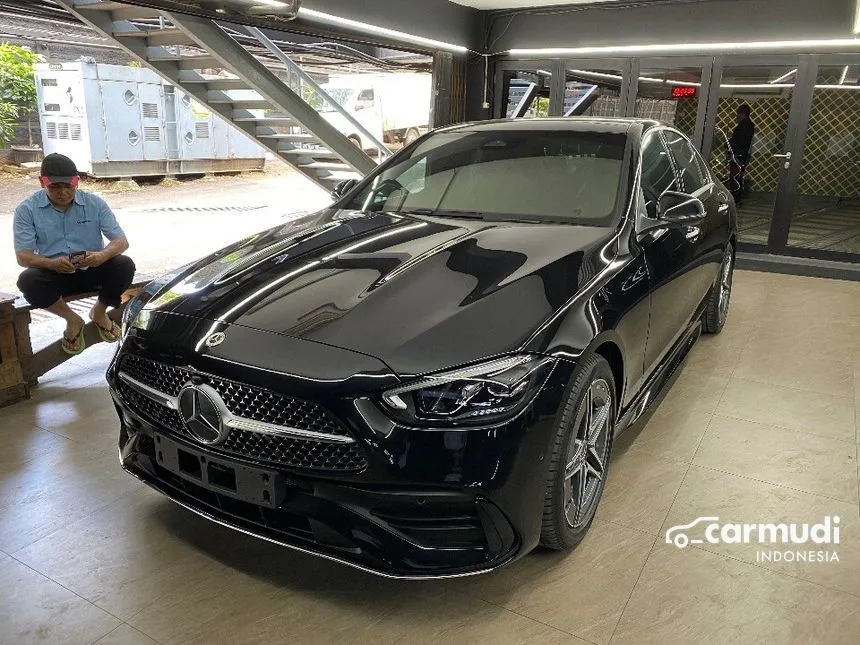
[75, 346]
[111, 335]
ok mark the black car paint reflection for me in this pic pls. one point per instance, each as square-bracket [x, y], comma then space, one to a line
[337, 307]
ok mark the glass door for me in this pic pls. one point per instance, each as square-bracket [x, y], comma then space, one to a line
[823, 219]
[757, 120]
[674, 91]
[597, 87]
[526, 89]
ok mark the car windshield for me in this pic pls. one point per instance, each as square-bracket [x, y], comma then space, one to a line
[528, 174]
[340, 94]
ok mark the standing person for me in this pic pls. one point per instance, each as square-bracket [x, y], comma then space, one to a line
[58, 239]
[740, 147]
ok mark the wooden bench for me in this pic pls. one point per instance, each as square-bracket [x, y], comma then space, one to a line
[20, 366]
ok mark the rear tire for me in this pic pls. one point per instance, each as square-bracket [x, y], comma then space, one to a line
[579, 461]
[717, 311]
[411, 136]
[355, 141]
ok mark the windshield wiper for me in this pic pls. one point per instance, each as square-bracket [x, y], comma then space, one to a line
[443, 213]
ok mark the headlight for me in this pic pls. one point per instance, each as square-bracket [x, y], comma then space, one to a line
[135, 316]
[480, 394]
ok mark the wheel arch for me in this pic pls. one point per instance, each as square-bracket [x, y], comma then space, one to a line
[610, 351]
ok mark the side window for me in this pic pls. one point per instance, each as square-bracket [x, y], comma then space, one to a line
[658, 175]
[687, 160]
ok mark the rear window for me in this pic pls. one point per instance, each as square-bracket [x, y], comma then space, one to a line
[573, 176]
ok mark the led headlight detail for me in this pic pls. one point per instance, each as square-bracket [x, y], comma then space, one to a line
[477, 394]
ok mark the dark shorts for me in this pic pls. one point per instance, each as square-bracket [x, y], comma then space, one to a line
[42, 288]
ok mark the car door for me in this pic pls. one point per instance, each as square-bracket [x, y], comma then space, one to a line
[683, 261]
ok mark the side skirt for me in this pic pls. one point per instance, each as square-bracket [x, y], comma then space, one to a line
[659, 379]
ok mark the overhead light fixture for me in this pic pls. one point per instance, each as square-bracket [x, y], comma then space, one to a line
[784, 77]
[312, 14]
[791, 45]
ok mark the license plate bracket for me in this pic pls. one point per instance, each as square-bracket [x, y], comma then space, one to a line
[224, 476]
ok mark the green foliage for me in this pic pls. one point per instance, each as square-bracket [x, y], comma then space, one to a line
[17, 86]
[8, 121]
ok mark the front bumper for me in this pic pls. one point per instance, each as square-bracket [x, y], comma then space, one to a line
[426, 503]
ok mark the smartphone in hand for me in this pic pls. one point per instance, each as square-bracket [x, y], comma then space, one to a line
[77, 258]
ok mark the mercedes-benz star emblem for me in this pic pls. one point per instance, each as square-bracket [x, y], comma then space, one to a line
[201, 410]
[216, 339]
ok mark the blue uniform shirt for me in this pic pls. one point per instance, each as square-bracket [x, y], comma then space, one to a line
[42, 228]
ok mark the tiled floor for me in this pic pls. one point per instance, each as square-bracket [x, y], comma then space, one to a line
[761, 425]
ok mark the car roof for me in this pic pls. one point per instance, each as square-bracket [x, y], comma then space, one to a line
[611, 125]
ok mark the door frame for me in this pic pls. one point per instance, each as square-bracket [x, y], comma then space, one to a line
[627, 68]
[500, 97]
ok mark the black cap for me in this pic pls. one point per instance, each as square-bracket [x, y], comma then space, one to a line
[59, 169]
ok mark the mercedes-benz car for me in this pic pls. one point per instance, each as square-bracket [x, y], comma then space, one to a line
[426, 378]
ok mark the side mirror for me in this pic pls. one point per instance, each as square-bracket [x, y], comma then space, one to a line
[342, 188]
[680, 208]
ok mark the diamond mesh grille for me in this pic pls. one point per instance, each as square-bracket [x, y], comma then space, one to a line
[250, 403]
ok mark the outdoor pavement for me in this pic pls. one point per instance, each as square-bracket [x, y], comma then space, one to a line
[168, 226]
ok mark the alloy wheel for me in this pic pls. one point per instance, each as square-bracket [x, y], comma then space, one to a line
[588, 454]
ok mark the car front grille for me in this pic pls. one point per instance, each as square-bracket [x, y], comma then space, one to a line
[250, 403]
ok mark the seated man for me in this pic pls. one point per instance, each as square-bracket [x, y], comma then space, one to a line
[58, 238]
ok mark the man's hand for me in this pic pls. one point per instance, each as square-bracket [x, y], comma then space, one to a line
[94, 259]
[62, 265]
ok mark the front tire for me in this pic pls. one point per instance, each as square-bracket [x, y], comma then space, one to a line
[714, 318]
[580, 455]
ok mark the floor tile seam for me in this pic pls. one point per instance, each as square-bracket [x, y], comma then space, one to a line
[633, 589]
[784, 427]
[722, 396]
[777, 572]
[140, 631]
[527, 617]
[628, 527]
[775, 484]
[81, 518]
[71, 591]
[657, 537]
[787, 387]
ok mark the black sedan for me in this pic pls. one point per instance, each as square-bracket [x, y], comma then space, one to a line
[426, 379]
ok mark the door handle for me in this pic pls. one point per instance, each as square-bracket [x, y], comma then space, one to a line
[787, 155]
[693, 233]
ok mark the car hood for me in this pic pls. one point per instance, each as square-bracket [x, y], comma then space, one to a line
[418, 293]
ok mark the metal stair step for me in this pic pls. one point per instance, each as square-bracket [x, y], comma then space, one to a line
[224, 84]
[188, 62]
[240, 104]
[298, 138]
[154, 37]
[310, 153]
[265, 120]
[325, 169]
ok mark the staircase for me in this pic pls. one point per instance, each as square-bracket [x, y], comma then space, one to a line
[201, 59]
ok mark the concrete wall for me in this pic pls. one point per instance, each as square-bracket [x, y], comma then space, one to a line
[681, 22]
